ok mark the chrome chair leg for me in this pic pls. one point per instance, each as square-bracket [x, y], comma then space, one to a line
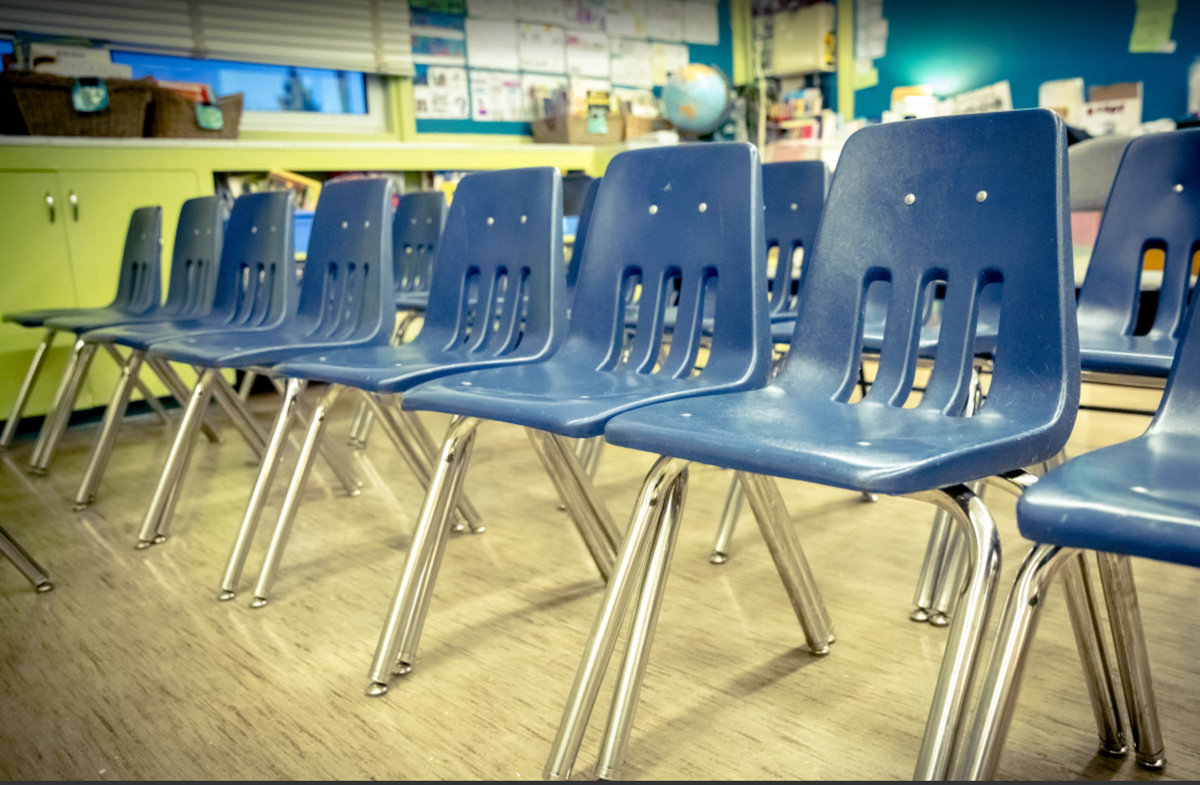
[179, 391]
[728, 523]
[56, 421]
[776, 526]
[931, 567]
[979, 754]
[396, 648]
[1089, 640]
[949, 581]
[359, 425]
[150, 398]
[31, 377]
[1125, 618]
[247, 385]
[33, 572]
[291, 501]
[262, 488]
[229, 400]
[967, 629]
[156, 522]
[635, 553]
[106, 437]
[336, 458]
[578, 493]
[611, 758]
[416, 447]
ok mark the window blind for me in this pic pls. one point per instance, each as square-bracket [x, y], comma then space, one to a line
[350, 35]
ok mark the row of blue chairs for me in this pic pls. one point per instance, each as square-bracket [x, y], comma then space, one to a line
[502, 340]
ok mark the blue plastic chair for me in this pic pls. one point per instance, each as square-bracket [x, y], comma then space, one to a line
[248, 288]
[899, 209]
[1152, 205]
[686, 218]
[347, 299]
[139, 291]
[1135, 498]
[503, 237]
[416, 233]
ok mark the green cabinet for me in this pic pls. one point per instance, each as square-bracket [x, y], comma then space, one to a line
[61, 237]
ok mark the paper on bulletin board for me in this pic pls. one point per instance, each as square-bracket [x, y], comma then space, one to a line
[497, 96]
[632, 63]
[492, 44]
[437, 38]
[667, 59]
[1152, 26]
[439, 6]
[865, 73]
[700, 25]
[1064, 96]
[584, 14]
[493, 9]
[625, 18]
[664, 19]
[441, 93]
[548, 11]
[587, 54]
[542, 47]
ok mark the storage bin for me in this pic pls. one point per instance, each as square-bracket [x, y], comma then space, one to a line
[173, 115]
[43, 106]
[573, 129]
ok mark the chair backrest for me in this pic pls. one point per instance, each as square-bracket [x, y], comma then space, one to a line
[502, 245]
[793, 195]
[139, 282]
[257, 274]
[197, 249]
[1155, 203]
[581, 233]
[1093, 166]
[346, 292]
[975, 201]
[686, 219]
[574, 189]
[416, 232]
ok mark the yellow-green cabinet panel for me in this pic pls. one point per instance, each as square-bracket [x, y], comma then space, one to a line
[61, 238]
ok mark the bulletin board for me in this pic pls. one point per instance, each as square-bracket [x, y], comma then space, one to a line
[955, 46]
[475, 60]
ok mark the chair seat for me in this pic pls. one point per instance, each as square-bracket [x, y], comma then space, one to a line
[73, 319]
[237, 349]
[555, 397]
[38, 318]
[84, 322]
[865, 446]
[386, 369]
[1138, 355]
[1137, 497]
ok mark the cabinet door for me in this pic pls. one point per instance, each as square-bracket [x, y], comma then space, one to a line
[35, 272]
[97, 206]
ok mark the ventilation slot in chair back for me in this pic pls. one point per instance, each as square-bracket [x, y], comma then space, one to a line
[1154, 204]
[258, 267]
[487, 291]
[348, 270]
[950, 209]
[682, 223]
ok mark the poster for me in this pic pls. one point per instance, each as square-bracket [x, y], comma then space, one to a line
[666, 59]
[632, 62]
[542, 47]
[664, 19]
[625, 18]
[547, 11]
[496, 96]
[440, 93]
[700, 23]
[587, 54]
[492, 44]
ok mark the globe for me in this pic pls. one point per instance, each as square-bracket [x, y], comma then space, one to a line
[696, 99]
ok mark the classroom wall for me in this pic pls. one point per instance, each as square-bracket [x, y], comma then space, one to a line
[956, 46]
[719, 55]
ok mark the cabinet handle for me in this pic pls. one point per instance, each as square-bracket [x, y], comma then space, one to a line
[74, 200]
[50, 205]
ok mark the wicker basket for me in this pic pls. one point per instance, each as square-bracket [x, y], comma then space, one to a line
[173, 115]
[44, 104]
